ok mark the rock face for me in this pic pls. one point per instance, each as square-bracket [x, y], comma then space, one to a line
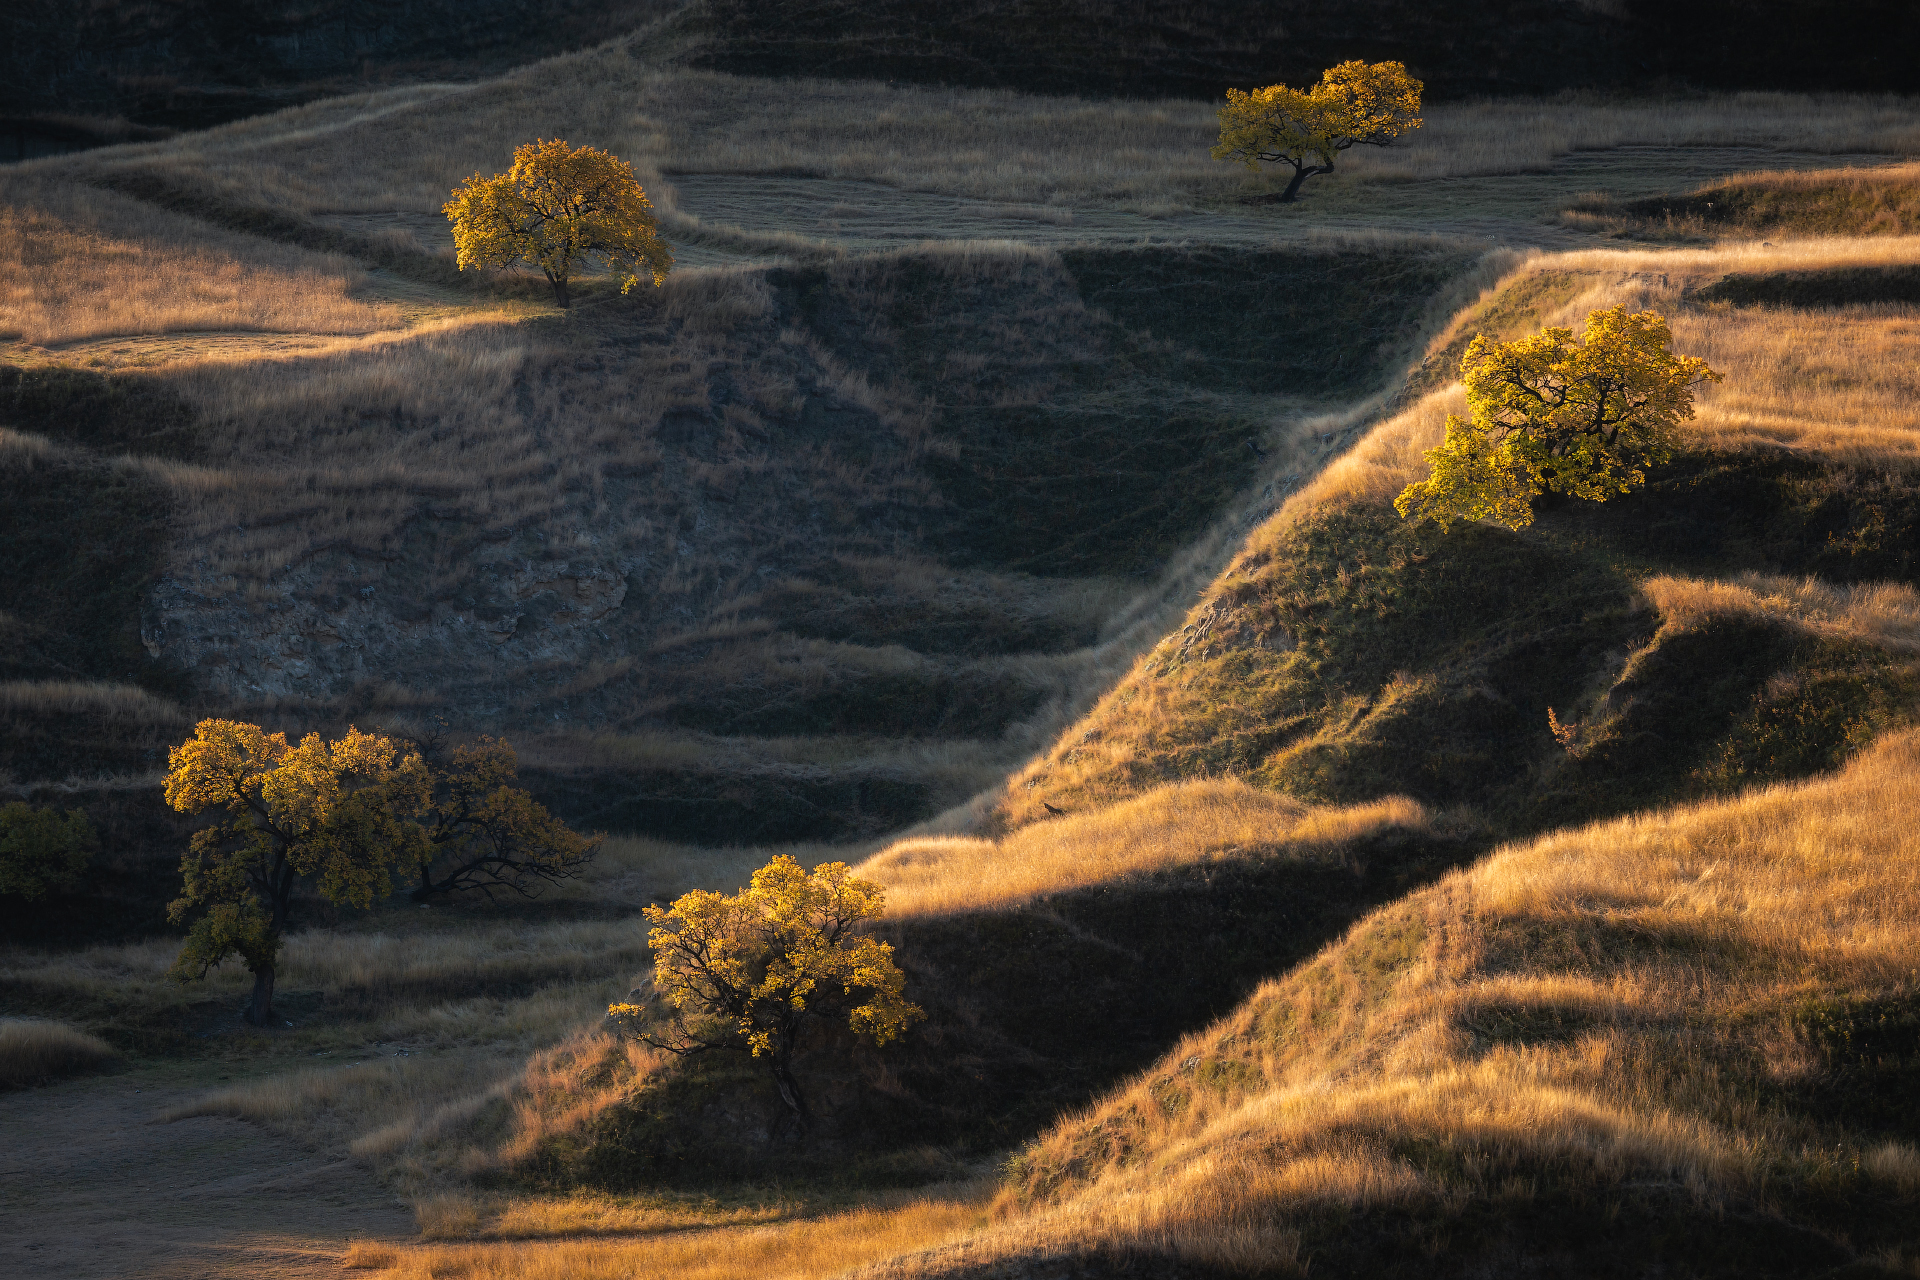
[315, 642]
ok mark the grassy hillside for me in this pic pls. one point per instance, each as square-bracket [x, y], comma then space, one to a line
[800, 507]
[1286, 944]
[724, 547]
[1679, 1040]
[1347, 654]
[1825, 202]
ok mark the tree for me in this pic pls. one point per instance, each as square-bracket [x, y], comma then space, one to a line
[347, 814]
[555, 207]
[42, 851]
[320, 809]
[484, 833]
[751, 972]
[1551, 415]
[1360, 103]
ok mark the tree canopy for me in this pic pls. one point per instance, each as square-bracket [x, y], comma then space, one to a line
[751, 971]
[1550, 414]
[556, 206]
[1355, 103]
[347, 815]
[43, 851]
[479, 831]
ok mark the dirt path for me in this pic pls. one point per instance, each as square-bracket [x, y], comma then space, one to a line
[92, 1184]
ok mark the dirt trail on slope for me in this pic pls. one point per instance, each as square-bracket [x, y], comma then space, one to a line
[92, 1184]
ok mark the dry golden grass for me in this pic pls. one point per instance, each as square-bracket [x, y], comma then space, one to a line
[798, 1251]
[585, 1214]
[1178, 825]
[1386, 460]
[33, 1051]
[1840, 384]
[1880, 201]
[1886, 614]
[1837, 384]
[77, 263]
[1568, 1004]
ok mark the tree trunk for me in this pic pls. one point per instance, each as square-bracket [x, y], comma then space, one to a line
[1300, 175]
[791, 1095]
[560, 292]
[260, 1008]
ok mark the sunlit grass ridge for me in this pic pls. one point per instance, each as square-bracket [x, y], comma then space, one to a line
[1598, 1001]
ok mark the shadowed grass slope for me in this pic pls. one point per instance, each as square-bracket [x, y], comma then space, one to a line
[1680, 1039]
[1048, 966]
[1347, 654]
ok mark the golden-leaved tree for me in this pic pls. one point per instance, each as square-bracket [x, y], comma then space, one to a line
[1355, 103]
[1550, 414]
[346, 815]
[557, 206]
[754, 970]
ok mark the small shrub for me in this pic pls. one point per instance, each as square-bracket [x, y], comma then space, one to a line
[42, 852]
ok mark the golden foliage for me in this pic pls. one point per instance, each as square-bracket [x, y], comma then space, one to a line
[318, 808]
[346, 812]
[1836, 384]
[1550, 415]
[1355, 102]
[747, 971]
[557, 205]
[489, 834]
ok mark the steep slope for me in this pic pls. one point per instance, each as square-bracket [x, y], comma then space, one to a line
[1346, 654]
[1680, 1040]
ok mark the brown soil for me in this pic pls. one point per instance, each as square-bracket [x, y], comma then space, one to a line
[92, 1183]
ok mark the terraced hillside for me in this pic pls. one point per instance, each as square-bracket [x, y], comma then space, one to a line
[1320, 892]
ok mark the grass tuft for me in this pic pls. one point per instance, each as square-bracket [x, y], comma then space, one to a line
[33, 1052]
